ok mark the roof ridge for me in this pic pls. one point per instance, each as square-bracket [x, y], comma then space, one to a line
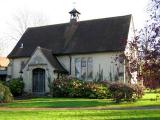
[42, 48]
[80, 21]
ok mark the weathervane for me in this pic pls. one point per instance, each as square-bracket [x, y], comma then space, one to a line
[74, 13]
[74, 4]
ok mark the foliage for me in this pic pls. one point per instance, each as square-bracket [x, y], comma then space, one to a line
[5, 94]
[138, 91]
[123, 92]
[150, 72]
[147, 43]
[16, 86]
[149, 39]
[59, 88]
[71, 87]
[95, 90]
[75, 88]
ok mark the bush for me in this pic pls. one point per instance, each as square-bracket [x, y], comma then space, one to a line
[95, 90]
[16, 86]
[82, 89]
[5, 94]
[138, 91]
[123, 92]
[75, 88]
[72, 87]
[60, 88]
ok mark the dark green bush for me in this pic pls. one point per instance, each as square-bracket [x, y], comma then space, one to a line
[5, 94]
[65, 87]
[16, 86]
[123, 92]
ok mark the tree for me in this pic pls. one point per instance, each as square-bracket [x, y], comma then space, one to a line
[17, 26]
[24, 19]
[2, 45]
[147, 42]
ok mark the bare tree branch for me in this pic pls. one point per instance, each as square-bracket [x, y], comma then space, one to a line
[24, 19]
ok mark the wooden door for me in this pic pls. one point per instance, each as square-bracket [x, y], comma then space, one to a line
[38, 83]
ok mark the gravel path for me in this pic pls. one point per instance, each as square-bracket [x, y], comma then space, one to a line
[83, 108]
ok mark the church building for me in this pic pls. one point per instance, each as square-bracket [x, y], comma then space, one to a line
[90, 50]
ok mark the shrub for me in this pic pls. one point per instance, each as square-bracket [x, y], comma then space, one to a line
[138, 91]
[95, 90]
[75, 88]
[65, 87]
[5, 94]
[59, 88]
[72, 87]
[123, 92]
[16, 86]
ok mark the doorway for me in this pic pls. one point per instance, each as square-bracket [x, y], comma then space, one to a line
[38, 83]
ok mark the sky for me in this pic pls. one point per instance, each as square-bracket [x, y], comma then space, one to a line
[56, 11]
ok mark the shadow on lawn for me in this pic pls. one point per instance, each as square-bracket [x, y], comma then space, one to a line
[56, 103]
[145, 118]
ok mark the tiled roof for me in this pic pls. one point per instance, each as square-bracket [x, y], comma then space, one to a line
[92, 36]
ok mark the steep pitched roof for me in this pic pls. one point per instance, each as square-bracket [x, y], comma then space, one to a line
[53, 60]
[99, 35]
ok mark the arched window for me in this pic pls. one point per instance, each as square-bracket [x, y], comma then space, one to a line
[83, 68]
[90, 68]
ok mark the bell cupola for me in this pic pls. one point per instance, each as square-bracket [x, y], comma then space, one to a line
[74, 15]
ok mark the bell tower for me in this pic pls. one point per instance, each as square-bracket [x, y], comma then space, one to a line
[74, 15]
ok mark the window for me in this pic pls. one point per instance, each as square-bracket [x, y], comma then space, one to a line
[83, 68]
[78, 67]
[90, 68]
[22, 67]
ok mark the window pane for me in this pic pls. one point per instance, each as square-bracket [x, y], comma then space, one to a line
[77, 67]
[83, 69]
[90, 69]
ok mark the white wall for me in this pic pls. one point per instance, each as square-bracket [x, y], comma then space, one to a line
[15, 66]
[65, 61]
[101, 61]
[131, 53]
[38, 60]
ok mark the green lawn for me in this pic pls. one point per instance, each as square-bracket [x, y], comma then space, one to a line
[81, 115]
[147, 100]
[131, 111]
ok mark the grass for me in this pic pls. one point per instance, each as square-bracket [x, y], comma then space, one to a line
[81, 115]
[147, 101]
[56, 103]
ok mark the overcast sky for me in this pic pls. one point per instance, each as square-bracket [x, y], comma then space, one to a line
[57, 12]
